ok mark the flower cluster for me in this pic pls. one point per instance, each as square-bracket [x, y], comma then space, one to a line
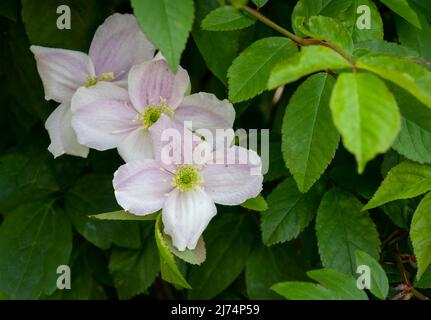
[121, 95]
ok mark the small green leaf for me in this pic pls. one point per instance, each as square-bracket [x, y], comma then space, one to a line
[404, 181]
[379, 281]
[309, 137]
[249, 73]
[34, 240]
[124, 215]
[166, 24]
[289, 211]
[404, 9]
[343, 285]
[413, 142]
[366, 114]
[327, 29]
[341, 228]
[421, 236]
[309, 60]
[226, 18]
[333, 285]
[195, 256]
[168, 266]
[260, 3]
[256, 204]
[406, 74]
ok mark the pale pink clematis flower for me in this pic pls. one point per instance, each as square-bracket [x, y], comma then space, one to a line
[187, 192]
[107, 116]
[117, 45]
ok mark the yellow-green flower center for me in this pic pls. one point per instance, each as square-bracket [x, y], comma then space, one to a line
[91, 80]
[152, 113]
[187, 178]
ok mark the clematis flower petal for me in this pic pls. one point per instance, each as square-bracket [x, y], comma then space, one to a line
[167, 134]
[103, 116]
[232, 184]
[118, 44]
[185, 216]
[63, 137]
[141, 186]
[205, 111]
[153, 80]
[137, 146]
[62, 71]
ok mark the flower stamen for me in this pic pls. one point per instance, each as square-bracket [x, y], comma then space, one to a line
[92, 80]
[187, 178]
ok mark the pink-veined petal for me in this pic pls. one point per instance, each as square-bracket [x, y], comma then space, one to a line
[185, 216]
[103, 116]
[234, 176]
[118, 44]
[141, 187]
[62, 71]
[137, 146]
[61, 133]
[206, 111]
[153, 80]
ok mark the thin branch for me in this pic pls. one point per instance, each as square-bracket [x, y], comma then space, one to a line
[298, 40]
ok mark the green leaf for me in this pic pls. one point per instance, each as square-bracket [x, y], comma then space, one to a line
[327, 29]
[124, 215]
[415, 38]
[342, 228]
[226, 18]
[400, 212]
[404, 181]
[309, 139]
[133, 271]
[217, 57]
[351, 16]
[42, 28]
[366, 114]
[166, 24]
[249, 73]
[406, 74]
[420, 234]
[404, 9]
[260, 3]
[384, 47]
[332, 285]
[195, 256]
[308, 8]
[379, 281]
[281, 264]
[94, 194]
[343, 285]
[34, 240]
[413, 142]
[289, 211]
[425, 280]
[24, 178]
[168, 266]
[296, 290]
[411, 109]
[229, 239]
[309, 60]
[256, 204]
